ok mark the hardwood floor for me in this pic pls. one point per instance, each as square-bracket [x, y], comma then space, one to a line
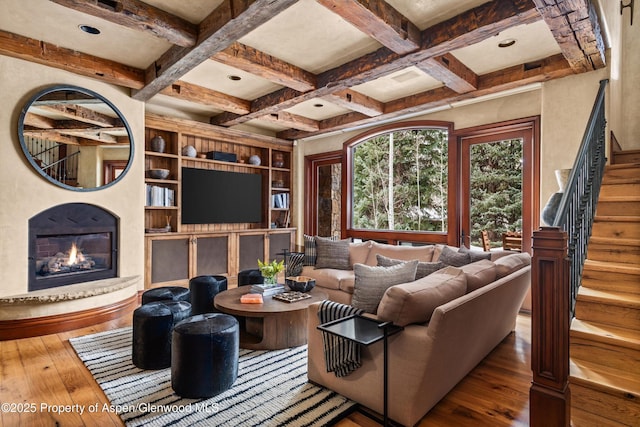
[43, 383]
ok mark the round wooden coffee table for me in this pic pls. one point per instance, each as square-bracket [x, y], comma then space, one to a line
[271, 325]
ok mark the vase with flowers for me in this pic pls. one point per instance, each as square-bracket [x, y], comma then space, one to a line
[270, 270]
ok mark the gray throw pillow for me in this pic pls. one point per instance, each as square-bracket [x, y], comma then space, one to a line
[372, 282]
[332, 253]
[475, 255]
[456, 259]
[424, 268]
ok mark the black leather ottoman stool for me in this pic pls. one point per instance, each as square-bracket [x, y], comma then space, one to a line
[152, 326]
[165, 293]
[204, 355]
[203, 289]
[250, 277]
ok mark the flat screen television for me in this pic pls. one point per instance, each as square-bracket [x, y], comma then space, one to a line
[215, 197]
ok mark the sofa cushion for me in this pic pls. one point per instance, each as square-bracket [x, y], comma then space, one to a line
[372, 282]
[479, 274]
[328, 278]
[414, 302]
[332, 253]
[405, 253]
[475, 255]
[424, 268]
[510, 263]
[358, 252]
[454, 258]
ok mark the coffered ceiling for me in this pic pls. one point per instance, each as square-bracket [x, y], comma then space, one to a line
[305, 67]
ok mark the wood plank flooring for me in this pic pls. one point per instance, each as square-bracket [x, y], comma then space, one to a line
[41, 378]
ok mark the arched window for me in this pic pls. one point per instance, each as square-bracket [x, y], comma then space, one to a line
[398, 181]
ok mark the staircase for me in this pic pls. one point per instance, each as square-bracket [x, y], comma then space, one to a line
[605, 333]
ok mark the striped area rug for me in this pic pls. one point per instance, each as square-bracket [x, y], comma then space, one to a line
[271, 389]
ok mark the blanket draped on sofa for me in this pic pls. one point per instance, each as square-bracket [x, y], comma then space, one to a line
[341, 355]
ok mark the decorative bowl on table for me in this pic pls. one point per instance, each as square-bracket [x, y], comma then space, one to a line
[300, 283]
[159, 173]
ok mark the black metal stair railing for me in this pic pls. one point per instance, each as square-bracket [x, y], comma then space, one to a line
[65, 169]
[577, 208]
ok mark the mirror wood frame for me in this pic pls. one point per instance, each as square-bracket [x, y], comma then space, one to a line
[87, 94]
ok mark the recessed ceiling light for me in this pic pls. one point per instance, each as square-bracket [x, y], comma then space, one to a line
[89, 29]
[318, 105]
[234, 77]
[507, 43]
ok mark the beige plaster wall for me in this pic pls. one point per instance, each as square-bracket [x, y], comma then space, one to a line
[564, 106]
[623, 41]
[24, 193]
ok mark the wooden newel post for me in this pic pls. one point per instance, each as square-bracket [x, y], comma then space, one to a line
[549, 396]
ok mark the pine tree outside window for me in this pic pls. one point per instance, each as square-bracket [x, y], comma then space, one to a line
[400, 181]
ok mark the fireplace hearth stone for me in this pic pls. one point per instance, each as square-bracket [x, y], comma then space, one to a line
[68, 299]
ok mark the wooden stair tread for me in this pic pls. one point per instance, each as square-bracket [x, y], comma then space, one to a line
[602, 377]
[613, 267]
[619, 199]
[624, 165]
[618, 241]
[621, 299]
[610, 180]
[595, 331]
[615, 218]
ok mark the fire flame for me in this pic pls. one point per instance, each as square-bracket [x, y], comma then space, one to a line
[75, 256]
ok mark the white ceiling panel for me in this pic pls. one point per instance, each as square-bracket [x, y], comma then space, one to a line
[214, 75]
[426, 13]
[60, 26]
[309, 36]
[325, 110]
[533, 41]
[397, 85]
[167, 103]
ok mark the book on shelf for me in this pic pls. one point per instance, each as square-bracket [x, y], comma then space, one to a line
[267, 290]
[280, 201]
[159, 196]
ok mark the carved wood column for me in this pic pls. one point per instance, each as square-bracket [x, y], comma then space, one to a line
[549, 396]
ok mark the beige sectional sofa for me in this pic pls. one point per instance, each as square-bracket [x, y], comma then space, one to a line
[452, 319]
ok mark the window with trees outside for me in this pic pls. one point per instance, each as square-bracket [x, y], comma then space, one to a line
[400, 181]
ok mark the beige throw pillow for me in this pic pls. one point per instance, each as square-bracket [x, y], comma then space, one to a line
[414, 302]
[510, 263]
[404, 253]
[372, 282]
[424, 268]
[479, 274]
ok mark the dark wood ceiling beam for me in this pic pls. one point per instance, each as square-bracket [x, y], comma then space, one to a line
[510, 78]
[51, 135]
[356, 101]
[575, 26]
[205, 96]
[38, 121]
[470, 27]
[226, 24]
[380, 21]
[139, 16]
[266, 66]
[450, 71]
[81, 114]
[293, 121]
[44, 53]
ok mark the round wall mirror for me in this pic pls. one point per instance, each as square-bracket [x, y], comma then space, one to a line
[75, 138]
